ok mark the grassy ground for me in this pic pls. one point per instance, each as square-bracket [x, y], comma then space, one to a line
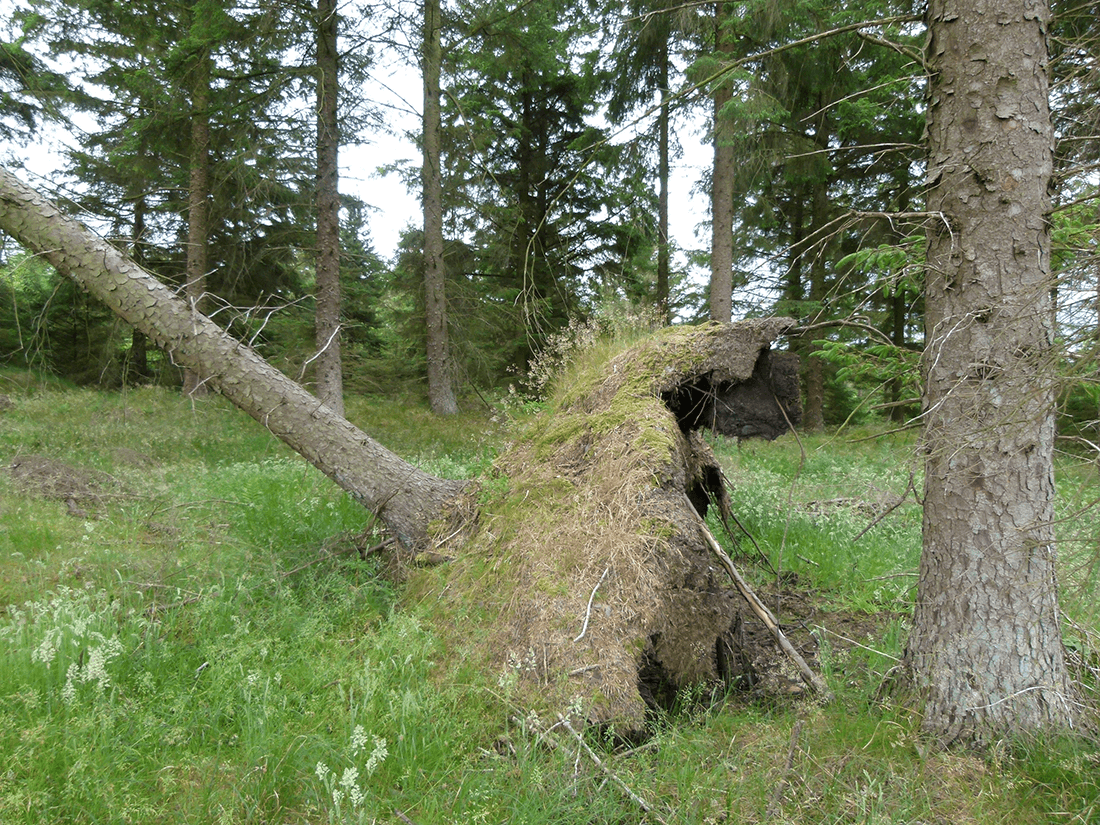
[200, 642]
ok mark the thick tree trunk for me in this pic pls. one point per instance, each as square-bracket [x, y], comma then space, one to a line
[721, 195]
[405, 498]
[137, 363]
[441, 393]
[329, 365]
[985, 654]
[198, 204]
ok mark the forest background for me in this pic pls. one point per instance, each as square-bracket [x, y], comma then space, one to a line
[559, 138]
[551, 226]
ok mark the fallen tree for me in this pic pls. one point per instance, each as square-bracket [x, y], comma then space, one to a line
[582, 569]
[403, 496]
[588, 580]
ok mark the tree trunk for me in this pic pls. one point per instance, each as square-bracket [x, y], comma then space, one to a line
[721, 195]
[813, 418]
[137, 363]
[441, 393]
[198, 204]
[985, 655]
[899, 311]
[329, 367]
[663, 262]
[405, 498]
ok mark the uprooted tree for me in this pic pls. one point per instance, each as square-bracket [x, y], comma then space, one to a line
[588, 570]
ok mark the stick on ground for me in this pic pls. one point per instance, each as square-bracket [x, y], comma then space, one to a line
[781, 788]
[813, 680]
[564, 722]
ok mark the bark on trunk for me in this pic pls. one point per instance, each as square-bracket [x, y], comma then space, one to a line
[985, 654]
[441, 394]
[329, 366]
[813, 418]
[137, 363]
[899, 312]
[405, 498]
[198, 204]
[721, 197]
[663, 251]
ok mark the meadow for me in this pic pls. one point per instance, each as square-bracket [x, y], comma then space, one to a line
[190, 632]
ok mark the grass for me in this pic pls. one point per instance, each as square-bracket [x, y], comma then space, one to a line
[207, 646]
[839, 512]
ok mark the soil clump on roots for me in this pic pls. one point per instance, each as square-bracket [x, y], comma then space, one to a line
[580, 573]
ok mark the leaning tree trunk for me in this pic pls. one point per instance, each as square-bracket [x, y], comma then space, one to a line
[985, 654]
[404, 497]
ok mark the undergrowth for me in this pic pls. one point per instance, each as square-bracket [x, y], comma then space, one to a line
[206, 645]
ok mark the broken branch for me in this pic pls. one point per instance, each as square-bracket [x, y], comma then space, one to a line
[813, 680]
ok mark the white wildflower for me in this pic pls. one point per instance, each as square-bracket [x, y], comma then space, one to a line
[46, 651]
[349, 782]
[322, 770]
[98, 658]
[350, 777]
[68, 692]
[378, 755]
[358, 739]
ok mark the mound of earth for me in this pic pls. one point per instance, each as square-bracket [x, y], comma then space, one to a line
[47, 477]
[582, 576]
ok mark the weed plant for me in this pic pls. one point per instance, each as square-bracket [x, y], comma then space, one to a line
[207, 646]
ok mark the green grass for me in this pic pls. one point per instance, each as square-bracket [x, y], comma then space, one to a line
[837, 512]
[208, 647]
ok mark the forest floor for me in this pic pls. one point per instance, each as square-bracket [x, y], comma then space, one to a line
[188, 633]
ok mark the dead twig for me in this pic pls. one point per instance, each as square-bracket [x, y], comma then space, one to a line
[588, 612]
[784, 780]
[382, 545]
[857, 644]
[761, 557]
[813, 680]
[641, 803]
[901, 500]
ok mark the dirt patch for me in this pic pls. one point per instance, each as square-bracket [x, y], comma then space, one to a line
[135, 458]
[808, 627]
[47, 477]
